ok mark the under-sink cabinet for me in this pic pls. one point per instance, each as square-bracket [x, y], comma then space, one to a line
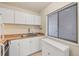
[24, 47]
[14, 48]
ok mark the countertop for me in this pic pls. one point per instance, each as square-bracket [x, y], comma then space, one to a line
[18, 36]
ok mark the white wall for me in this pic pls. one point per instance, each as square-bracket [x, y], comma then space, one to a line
[74, 48]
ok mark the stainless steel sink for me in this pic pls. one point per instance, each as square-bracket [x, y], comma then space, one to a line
[31, 34]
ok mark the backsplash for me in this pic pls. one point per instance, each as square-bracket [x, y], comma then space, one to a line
[19, 29]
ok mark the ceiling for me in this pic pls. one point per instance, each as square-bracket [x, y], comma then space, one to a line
[34, 6]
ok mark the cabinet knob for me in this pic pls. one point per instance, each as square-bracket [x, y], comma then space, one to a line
[48, 53]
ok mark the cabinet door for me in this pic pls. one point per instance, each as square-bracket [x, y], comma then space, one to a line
[33, 19]
[37, 20]
[35, 45]
[19, 17]
[50, 50]
[28, 19]
[7, 15]
[24, 47]
[14, 48]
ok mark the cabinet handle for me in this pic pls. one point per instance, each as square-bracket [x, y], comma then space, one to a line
[48, 53]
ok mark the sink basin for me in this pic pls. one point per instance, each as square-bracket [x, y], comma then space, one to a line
[31, 34]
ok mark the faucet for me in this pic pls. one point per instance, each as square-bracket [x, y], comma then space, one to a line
[29, 30]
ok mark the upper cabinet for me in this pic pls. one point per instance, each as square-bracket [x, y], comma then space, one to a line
[12, 16]
[19, 17]
[33, 19]
[29, 19]
[7, 15]
[37, 20]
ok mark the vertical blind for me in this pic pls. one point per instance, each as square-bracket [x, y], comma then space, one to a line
[63, 24]
[67, 23]
[53, 25]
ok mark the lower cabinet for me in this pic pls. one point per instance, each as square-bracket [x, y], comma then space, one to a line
[24, 47]
[54, 48]
[35, 44]
[48, 50]
[14, 49]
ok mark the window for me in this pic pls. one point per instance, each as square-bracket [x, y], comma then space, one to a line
[52, 25]
[63, 23]
[67, 23]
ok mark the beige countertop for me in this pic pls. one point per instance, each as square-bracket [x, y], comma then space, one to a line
[19, 36]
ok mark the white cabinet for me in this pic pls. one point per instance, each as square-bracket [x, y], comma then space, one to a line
[29, 46]
[13, 16]
[53, 48]
[37, 20]
[24, 47]
[7, 15]
[19, 17]
[33, 19]
[47, 50]
[35, 44]
[28, 19]
[14, 49]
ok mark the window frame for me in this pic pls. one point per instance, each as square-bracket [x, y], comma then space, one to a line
[57, 11]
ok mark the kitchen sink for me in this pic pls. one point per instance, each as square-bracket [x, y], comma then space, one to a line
[29, 34]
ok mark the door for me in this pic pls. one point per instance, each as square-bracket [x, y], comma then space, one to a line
[24, 47]
[14, 48]
[35, 46]
[7, 15]
[19, 17]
